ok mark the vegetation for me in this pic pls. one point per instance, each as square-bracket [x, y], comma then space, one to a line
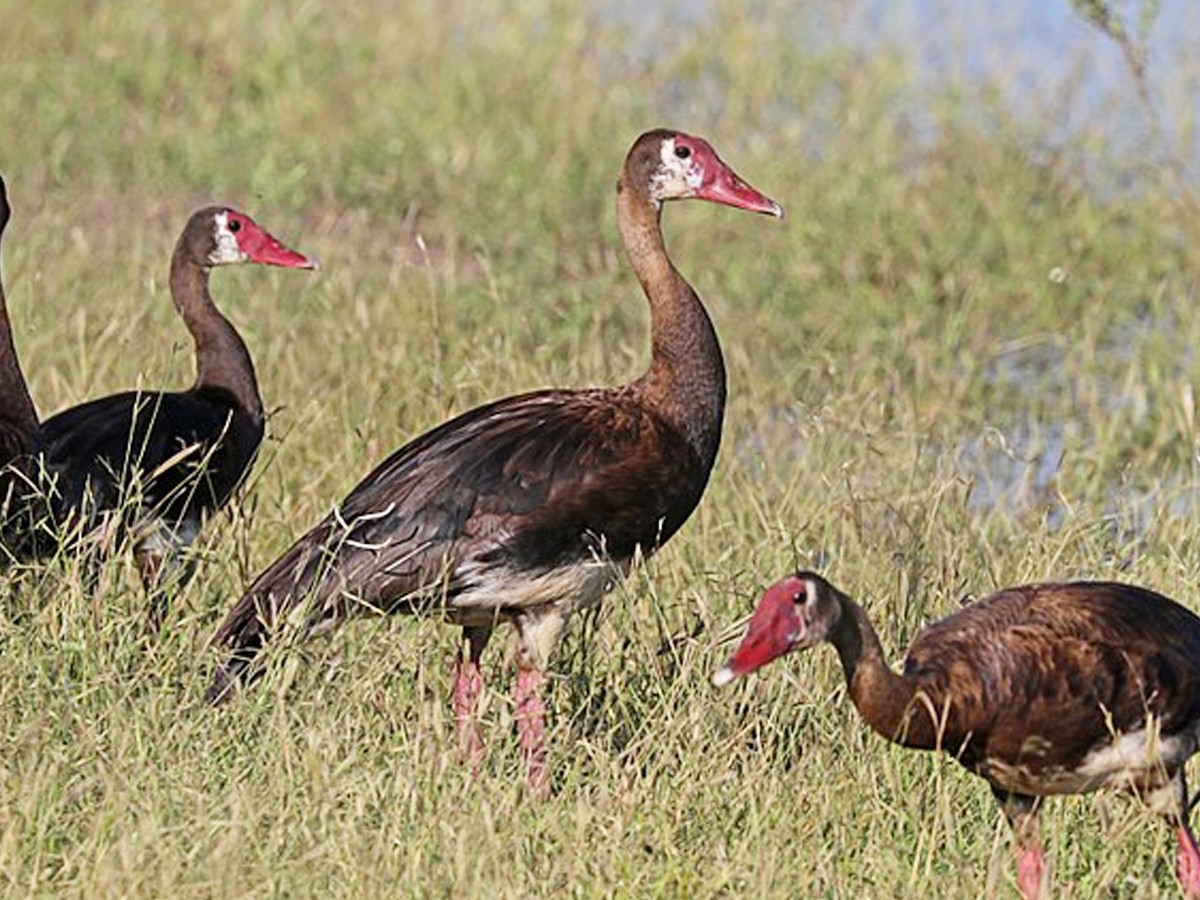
[965, 360]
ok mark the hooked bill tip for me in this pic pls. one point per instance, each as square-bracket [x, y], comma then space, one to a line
[776, 210]
[723, 676]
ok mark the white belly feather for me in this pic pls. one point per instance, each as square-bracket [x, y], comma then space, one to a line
[492, 593]
[1140, 759]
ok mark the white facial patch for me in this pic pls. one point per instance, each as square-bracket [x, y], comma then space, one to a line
[676, 178]
[810, 588]
[226, 250]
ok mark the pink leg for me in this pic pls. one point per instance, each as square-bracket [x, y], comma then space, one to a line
[1030, 865]
[1021, 810]
[531, 729]
[468, 686]
[1188, 868]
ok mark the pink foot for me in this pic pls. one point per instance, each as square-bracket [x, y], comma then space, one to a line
[531, 729]
[468, 687]
[1030, 865]
[1188, 868]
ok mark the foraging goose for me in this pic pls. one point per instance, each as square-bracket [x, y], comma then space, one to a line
[1043, 689]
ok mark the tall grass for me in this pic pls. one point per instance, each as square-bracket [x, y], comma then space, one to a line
[965, 360]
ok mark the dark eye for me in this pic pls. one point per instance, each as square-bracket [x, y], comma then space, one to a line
[235, 226]
[683, 152]
[798, 597]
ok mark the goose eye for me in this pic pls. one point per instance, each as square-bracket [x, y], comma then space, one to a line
[235, 226]
[798, 597]
[683, 152]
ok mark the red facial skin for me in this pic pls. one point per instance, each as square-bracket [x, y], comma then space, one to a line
[262, 247]
[775, 629]
[720, 184]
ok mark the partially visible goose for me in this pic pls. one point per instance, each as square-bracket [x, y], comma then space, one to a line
[160, 463]
[1043, 689]
[525, 510]
[18, 417]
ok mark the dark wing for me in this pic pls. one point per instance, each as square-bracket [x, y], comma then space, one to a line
[1064, 664]
[179, 454]
[527, 483]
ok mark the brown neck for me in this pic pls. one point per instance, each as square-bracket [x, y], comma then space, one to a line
[17, 413]
[222, 360]
[889, 702]
[686, 380]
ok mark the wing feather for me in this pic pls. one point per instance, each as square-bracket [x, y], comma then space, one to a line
[1067, 663]
[183, 451]
[528, 483]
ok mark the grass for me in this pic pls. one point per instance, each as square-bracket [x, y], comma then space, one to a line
[964, 361]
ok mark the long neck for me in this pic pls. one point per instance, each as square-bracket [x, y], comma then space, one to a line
[889, 702]
[17, 412]
[686, 379]
[222, 360]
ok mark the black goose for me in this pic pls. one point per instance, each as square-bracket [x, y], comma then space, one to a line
[160, 463]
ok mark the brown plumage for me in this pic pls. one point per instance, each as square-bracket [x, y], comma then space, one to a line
[526, 509]
[1043, 689]
[160, 462]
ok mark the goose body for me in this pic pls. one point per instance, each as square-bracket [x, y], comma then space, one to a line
[526, 509]
[1065, 688]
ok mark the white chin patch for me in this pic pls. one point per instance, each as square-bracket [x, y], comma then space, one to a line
[676, 178]
[226, 250]
[722, 676]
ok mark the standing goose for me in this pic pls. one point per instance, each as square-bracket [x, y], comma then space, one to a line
[162, 462]
[526, 509]
[1043, 689]
[18, 417]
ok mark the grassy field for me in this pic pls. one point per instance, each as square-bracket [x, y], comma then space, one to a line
[965, 360]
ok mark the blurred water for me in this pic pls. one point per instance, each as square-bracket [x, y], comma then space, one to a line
[1042, 57]
[1045, 57]
[1049, 66]
[1046, 61]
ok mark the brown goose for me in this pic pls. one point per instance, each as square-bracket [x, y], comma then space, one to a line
[18, 417]
[162, 462]
[1043, 689]
[526, 509]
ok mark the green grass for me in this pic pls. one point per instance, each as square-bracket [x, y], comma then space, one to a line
[900, 358]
